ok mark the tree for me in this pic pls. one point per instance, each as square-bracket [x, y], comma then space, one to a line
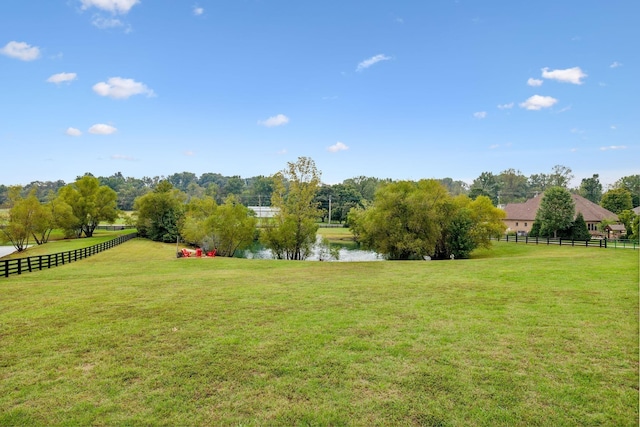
[579, 230]
[630, 183]
[487, 184]
[560, 176]
[627, 217]
[227, 228]
[556, 211]
[538, 183]
[232, 227]
[455, 188]
[17, 226]
[292, 232]
[366, 186]
[591, 188]
[635, 233]
[513, 186]
[182, 180]
[617, 200]
[90, 203]
[160, 212]
[405, 219]
[412, 220]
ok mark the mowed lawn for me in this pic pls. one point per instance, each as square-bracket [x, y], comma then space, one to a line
[521, 335]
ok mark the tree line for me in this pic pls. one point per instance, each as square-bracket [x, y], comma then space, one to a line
[402, 219]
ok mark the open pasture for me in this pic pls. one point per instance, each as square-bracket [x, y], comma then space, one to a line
[521, 335]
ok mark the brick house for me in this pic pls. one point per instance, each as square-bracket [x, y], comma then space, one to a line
[520, 216]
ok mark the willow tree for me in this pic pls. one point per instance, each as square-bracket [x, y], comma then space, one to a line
[90, 203]
[405, 220]
[413, 220]
[292, 232]
[227, 228]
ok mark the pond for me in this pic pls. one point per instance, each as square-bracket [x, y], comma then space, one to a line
[322, 251]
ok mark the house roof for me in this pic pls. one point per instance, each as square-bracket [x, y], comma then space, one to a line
[527, 211]
[636, 210]
[617, 227]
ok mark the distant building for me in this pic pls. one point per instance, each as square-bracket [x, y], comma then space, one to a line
[264, 211]
[520, 216]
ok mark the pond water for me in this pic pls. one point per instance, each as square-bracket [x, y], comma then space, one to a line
[334, 252]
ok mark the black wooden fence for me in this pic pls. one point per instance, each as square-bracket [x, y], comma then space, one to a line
[593, 243]
[40, 262]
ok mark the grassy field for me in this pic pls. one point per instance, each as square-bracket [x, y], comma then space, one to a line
[521, 335]
[57, 243]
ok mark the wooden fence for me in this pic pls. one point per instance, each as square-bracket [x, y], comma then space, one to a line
[593, 243]
[40, 262]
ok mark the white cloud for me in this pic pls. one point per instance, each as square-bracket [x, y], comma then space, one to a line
[73, 132]
[614, 127]
[21, 50]
[538, 102]
[102, 129]
[189, 153]
[282, 152]
[104, 23]
[399, 20]
[278, 120]
[534, 82]
[505, 106]
[119, 88]
[614, 147]
[338, 146]
[615, 64]
[494, 146]
[122, 157]
[113, 6]
[62, 77]
[570, 75]
[371, 61]
[480, 114]
[197, 10]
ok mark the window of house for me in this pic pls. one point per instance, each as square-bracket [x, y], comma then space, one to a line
[525, 224]
[516, 224]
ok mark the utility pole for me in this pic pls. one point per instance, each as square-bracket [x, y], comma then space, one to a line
[329, 209]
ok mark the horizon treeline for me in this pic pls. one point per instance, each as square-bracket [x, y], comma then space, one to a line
[508, 186]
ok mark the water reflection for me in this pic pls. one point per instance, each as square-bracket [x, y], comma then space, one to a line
[333, 252]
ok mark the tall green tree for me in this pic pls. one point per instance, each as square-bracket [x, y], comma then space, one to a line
[18, 223]
[227, 228]
[556, 211]
[405, 219]
[579, 230]
[560, 176]
[631, 183]
[232, 227]
[513, 186]
[90, 203]
[617, 200]
[487, 184]
[591, 188]
[627, 217]
[160, 212]
[292, 233]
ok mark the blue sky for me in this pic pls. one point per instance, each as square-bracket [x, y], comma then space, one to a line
[402, 90]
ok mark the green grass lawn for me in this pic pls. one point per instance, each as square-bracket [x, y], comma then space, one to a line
[57, 243]
[521, 335]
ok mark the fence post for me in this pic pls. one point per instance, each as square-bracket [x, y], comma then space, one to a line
[29, 264]
[605, 243]
[6, 268]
